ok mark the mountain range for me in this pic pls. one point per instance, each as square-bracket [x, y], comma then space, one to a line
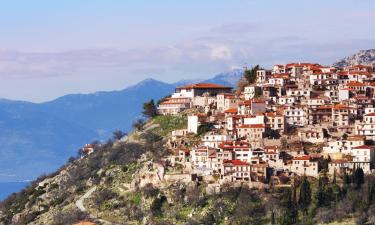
[363, 57]
[38, 138]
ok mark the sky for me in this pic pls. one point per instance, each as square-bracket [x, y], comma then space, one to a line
[52, 48]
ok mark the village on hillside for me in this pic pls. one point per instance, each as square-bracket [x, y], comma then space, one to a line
[299, 119]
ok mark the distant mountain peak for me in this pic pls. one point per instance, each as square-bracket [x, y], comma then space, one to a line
[363, 57]
[229, 78]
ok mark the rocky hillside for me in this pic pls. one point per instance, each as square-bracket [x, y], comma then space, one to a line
[363, 57]
[132, 181]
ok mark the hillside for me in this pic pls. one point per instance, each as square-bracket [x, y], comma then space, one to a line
[128, 182]
[363, 57]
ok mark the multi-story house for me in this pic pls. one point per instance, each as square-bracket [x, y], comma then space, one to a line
[363, 157]
[295, 116]
[213, 139]
[312, 134]
[343, 146]
[251, 91]
[252, 132]
[252, 107]
[173, 106]
[263, 75]
[305, 165]
[343, 115]
[193, 90]
[226, 101]
[236, 170]
[275, 121]
[367, 126]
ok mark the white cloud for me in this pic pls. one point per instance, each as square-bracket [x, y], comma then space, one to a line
[221, 53]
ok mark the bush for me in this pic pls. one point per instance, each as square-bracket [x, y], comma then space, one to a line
[69, 217]
[150, 191]
[325, 215]
[104, 195]
[157, 204]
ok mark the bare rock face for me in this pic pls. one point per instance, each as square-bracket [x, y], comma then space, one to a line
[363, 57]
[16, 218]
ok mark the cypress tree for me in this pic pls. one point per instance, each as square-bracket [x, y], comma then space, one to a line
[304, 195]
[273, 220]
[371, 192]
[291, 211]
[320, 194]
[359, 178]
[346, 179]
[334, 177]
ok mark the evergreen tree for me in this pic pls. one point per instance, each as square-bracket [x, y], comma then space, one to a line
[291, 211]
[117, 135]
[251, 74]
[320, 194]
[359, 178]
[273, 220]
[304, 195]
[371, 191]
[347, 180]
[334, 177]
[149, 109]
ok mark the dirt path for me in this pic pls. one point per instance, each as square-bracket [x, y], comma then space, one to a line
[79, 202]
[80, 206]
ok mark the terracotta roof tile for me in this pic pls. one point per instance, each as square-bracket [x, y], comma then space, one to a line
[204, 86]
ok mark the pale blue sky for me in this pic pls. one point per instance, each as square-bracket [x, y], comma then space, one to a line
[51, 48]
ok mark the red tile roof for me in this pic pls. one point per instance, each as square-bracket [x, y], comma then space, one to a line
[362, 147]
[341, 106]
[339, 161]
[85, 223]
[204, 86]
[355, 84]
[252, 126]
[304, 157]
[237, 162]
[231, 110]
[356, 138]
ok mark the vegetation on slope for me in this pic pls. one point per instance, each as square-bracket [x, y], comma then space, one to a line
[113, 167]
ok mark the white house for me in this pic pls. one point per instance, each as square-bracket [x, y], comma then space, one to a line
[304, 165]
[226, 101]
[173, 106]
[213, 140]
[363, 156]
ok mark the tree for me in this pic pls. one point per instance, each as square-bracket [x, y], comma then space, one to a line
[359, 178]
[273, 220]
[370, 191]
[272, 134]
[149, 109]
[346, 179]
[251, 74]
[241, 84]
[334, 177]
[291, 212]
[320, 198]
[258, 92]
[138, 124]
[117, 135]
[304, 195]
